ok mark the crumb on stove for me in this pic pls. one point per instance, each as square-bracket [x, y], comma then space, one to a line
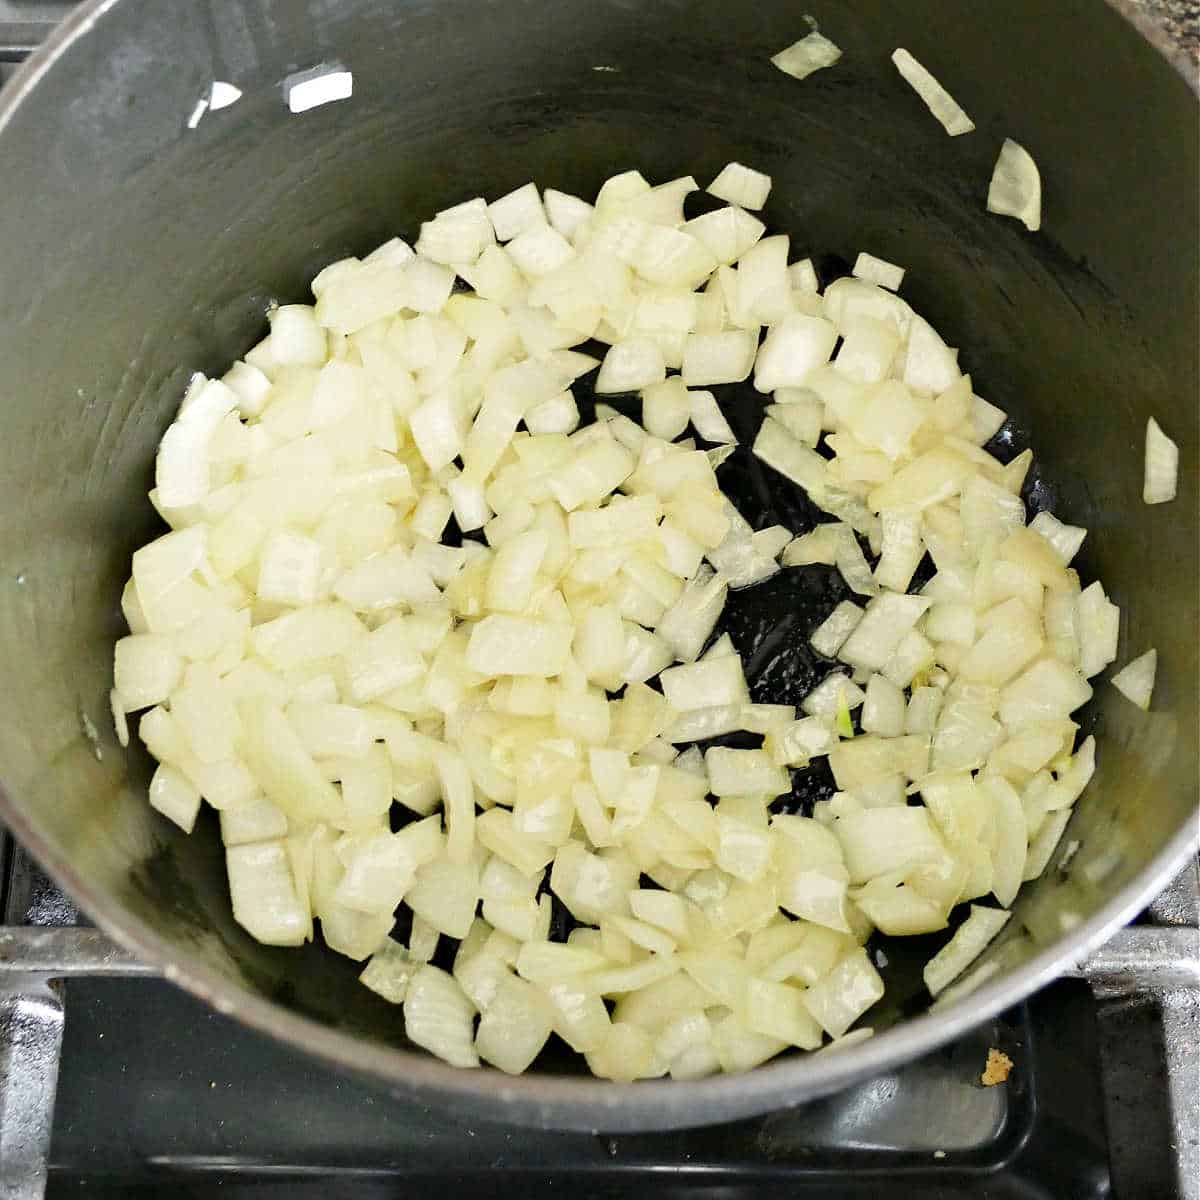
[997, 1068]
[939, 1154]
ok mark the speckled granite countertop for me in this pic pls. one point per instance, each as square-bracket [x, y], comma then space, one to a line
[1174, 24]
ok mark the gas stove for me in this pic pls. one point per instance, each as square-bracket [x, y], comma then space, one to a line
[115, 1083]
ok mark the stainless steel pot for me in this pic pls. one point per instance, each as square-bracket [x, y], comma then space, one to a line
[135, 248]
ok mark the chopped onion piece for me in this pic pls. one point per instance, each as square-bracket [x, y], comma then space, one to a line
[507, 645]
[1065, 539]
[1016, 187]
[514, 1027]
[809, 54]
[878, 270]
[969, 941]
[714, 358]
[1162, 466]
[832, 633]
[744, 773]
[795, 744]
[565, 212]
[264, 894]
[666, 408]
[727, 233]
[439, 1017]
[630, 366]
[1099, 626]
[937, 99]
[884, 708]
[515, 213]
[878, 841]
[1135, 681]
[174, 795]
[1042, 848]
[790, 457]
[704, 684]
[707, 418]
[389, 971]
[840, 997]
[832, 693]
[741, 185]
[794, 348]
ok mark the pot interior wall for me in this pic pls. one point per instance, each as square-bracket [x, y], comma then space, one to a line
[135, 251]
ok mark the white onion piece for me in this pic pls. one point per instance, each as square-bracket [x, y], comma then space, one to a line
[852, 565]
[173, 795]
[809, 54]
[507, 645]
[795, 744]
[182, 469]
[630, 366]
[830, 635]
[790, 457]
[714, 358]
[1016, 186]
[727, 233]
[838, 999]
[744, 773]
[1135, 681]
[539, 250]
[263, 894]
[146, 671]
[1042, 848]
[1162, 466]
[792, 351]
[1009, 846]
[515, 213]
[937, 99]
[1065, 539]
[878, 270]
[439, 1017]
[565, 212]
[741, 185]
[884, 708]
[969, 941]
[705, 684]
[666, 408]
[707, 418]
[834, 692]
[887, 619]
[1099, 626]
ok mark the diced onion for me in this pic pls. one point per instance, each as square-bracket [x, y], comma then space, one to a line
[1016, 186]
[741, 185]
[424, 642]
[439, 1017]
[1135, 681]
[1162, 466]
[878, 270]
[968, 942]
[937, 99]
[809, 54]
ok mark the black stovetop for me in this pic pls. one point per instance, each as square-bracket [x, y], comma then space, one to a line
[157, 1091]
